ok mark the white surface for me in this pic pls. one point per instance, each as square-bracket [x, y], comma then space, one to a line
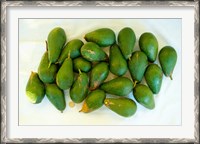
[32, 36]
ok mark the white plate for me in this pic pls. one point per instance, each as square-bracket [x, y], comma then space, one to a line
[32, 36]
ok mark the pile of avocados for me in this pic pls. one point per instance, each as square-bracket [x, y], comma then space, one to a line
[83, 68]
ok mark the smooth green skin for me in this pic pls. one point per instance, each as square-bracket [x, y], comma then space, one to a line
[56, 96]
[92, 52]
[95, 100]
[79, 89]
[82, 64]
[73, 47]
[103, 37]
[56, 41]
[47, 74]
[126, 41]
[117, 63]
[144, 96]
[123, 106]
[120, 86]
[65, 75]
[35, 90]
[168, 58]
[137, 65]
[149, 45]
[98, 74]
[153, 76]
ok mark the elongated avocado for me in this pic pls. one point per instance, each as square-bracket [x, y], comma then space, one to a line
[55, 41]
[153, 76]
[35, 90]
[126, 41]
[98, 74]
[149, 45]
[79, 89]
[103, 37]
[56, 96]
[168, 59]
[92, 52]
[120, 86]
[137, 66]
[117, 63]
[65, 75]
[47, 73]
[93, 101]
[144, 96]
[122, 106]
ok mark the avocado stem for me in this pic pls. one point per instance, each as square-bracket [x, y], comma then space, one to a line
[46, 45]
[134, 84]
[171, 77]
[79, 71]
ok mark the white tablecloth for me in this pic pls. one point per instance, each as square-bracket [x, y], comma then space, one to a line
[32, 36]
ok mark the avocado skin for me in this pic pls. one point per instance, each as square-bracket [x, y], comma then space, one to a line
[56, 96]
[55, 41]
[153, 76]
[117, 63]
[103, 37]
[126, 41]
[93, 53]
[93, 101]
[72, 48]
[144, 96]
[82, 64]
[35, 90]
[149, 45]
[122, 106]
[65, 75]
[98, 74]
[168, 59]
[79, 89]
[47, 73]
[120, 86]
[137, 65]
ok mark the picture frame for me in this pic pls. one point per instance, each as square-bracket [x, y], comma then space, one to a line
[5, 5]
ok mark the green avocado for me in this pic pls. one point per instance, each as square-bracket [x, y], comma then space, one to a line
[56, 96]
[126, 41]
[92, 52]
[144, 96]
[81, 64]
[117, 63]
[103, 37]
[65, 75]
[35, 89]
[47, 73]
[122, 106]
[98, 74]
[153, 76]
[79, 89]
[120, 86]
[137, 66]
[93, 101]
[55, 41]
[168, 58]
[72, 48]
[149, 45]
